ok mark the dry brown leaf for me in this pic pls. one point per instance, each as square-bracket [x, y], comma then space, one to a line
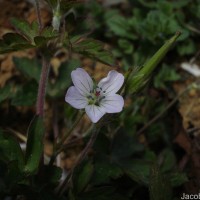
[189, 105]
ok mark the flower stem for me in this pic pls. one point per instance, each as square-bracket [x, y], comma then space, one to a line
[63, 187]
[70, 130]
[59, 146]
[42, 87]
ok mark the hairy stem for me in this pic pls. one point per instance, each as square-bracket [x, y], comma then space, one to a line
[42, 87]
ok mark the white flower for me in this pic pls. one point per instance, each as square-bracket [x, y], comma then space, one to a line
[96, 99]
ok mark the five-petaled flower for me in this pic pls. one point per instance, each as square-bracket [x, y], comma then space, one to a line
[96, 99]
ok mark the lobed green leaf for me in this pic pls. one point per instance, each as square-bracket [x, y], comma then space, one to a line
[94, 49]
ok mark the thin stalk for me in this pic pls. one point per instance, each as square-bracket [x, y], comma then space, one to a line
[59, 146]
[63, 187]
[154, 119]
[37, 6]
[62, 141]
[42, 87]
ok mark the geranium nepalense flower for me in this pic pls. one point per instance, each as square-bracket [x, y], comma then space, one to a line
[99, 99]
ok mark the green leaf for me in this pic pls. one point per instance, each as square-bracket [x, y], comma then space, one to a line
[31, 32]
[93, 49]
[103, 56]
[139, 171]
[186, 48]
[35, 145]
[28, 30]
[13, 42]
[10, 150]
[29, 67]
[40, 40]
[12, 39]
[138, 80]
[126, 46]
[26, 95]
[165, 75]
[47, 34]
[179, 4]
[119, 25]
[178, 178]
[81, 176]
[169, 160]
[88, 44]
[105, 170]
[63, 80]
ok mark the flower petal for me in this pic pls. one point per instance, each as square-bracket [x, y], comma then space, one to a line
[75, 99]
[112, 103]
[112, 83]
[82, 81]
[94, 112]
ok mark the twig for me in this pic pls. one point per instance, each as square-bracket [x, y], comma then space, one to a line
[63, 187]
[191, 28]
[162, 112]
[42, 87]
[37, 6]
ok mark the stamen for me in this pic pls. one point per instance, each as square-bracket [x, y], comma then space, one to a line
[102, 97]
[90, 97]
[97, 93]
